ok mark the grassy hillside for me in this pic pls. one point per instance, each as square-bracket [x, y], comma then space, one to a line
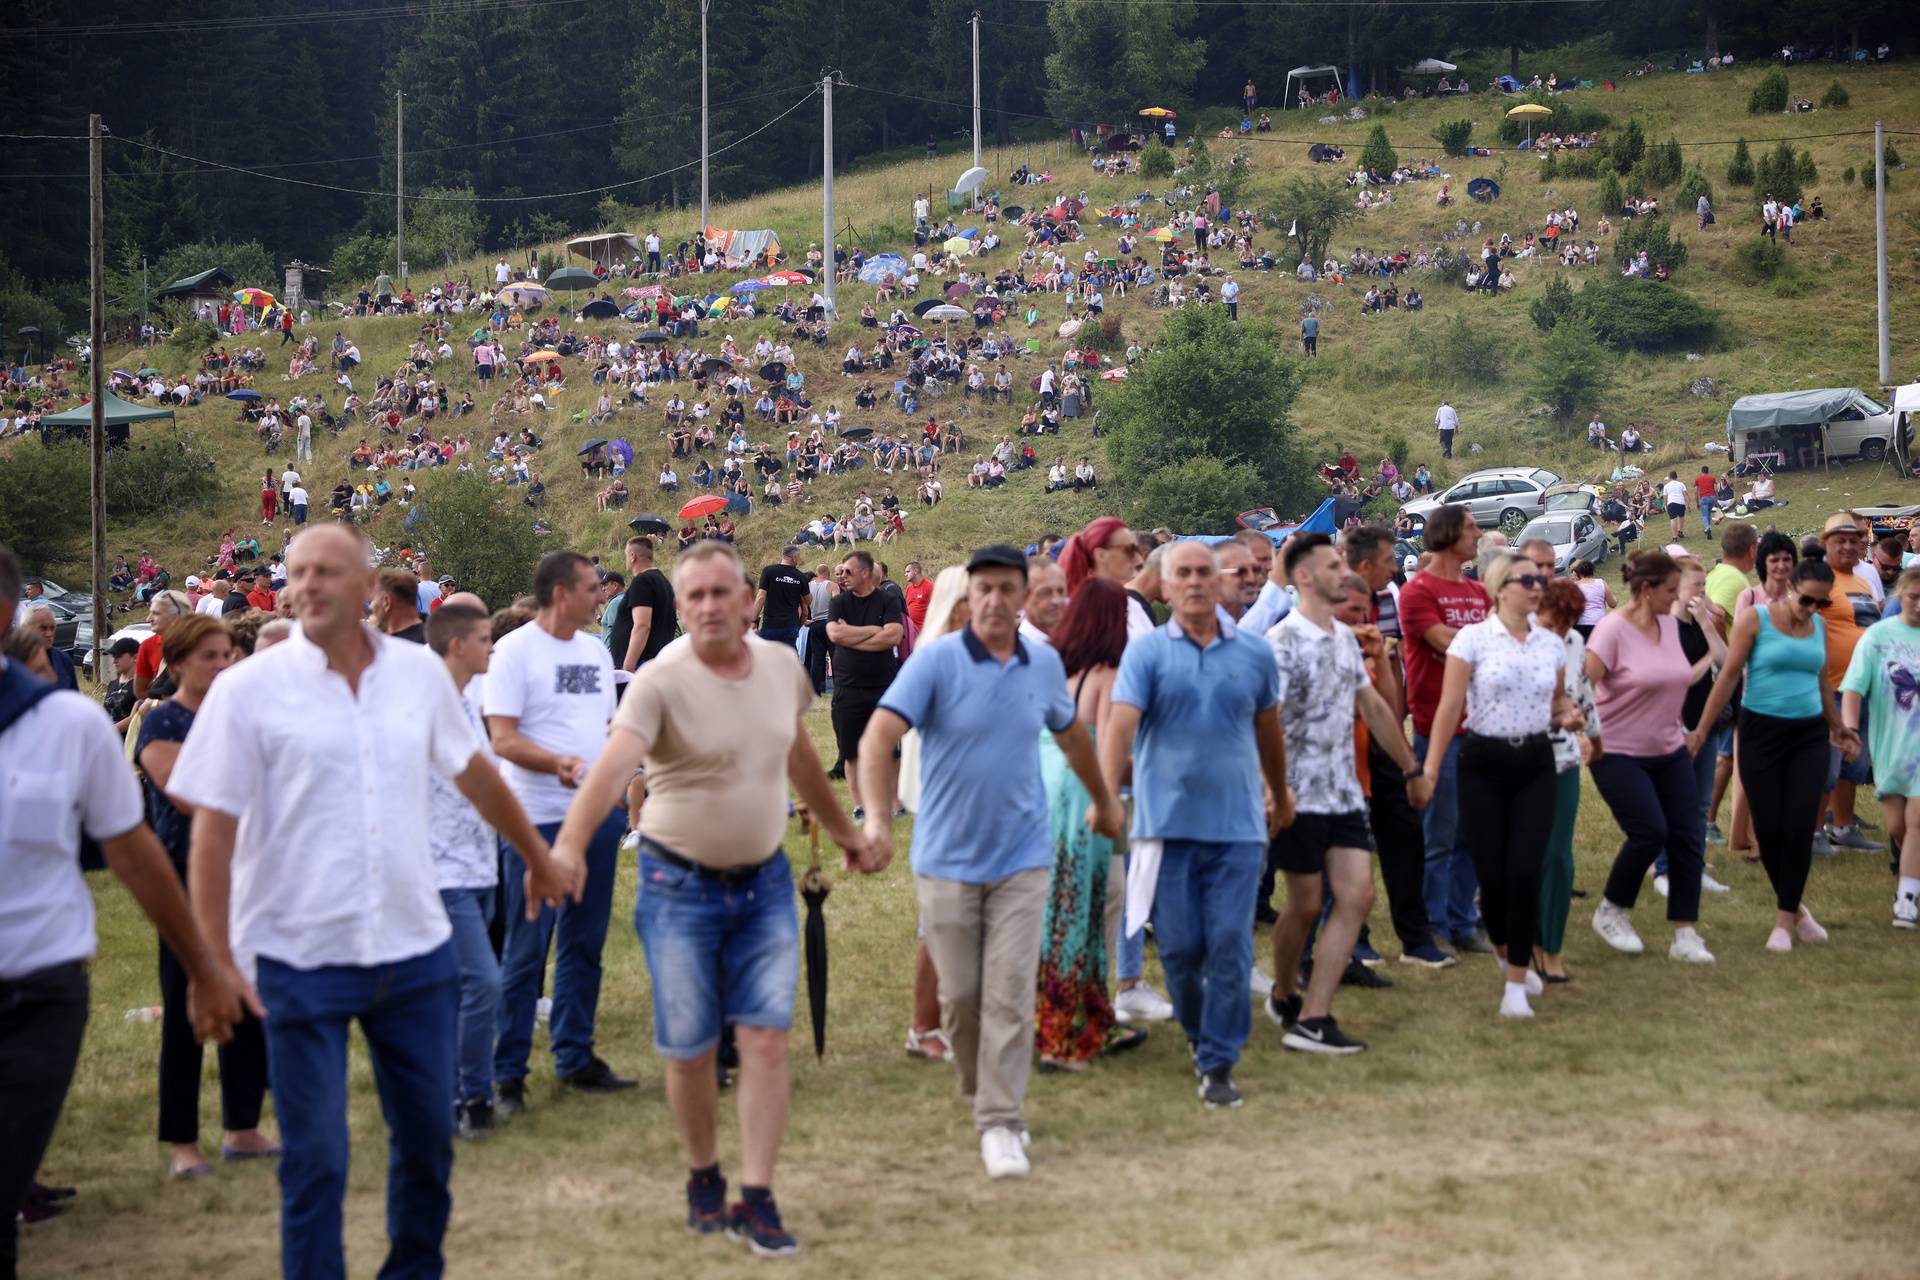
[1378, 377]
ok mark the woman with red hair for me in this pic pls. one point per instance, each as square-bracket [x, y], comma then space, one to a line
[1107, 548]
[1074, 1019]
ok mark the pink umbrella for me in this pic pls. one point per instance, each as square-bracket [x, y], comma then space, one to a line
[959, 289]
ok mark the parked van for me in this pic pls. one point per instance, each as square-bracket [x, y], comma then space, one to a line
[1795, 427]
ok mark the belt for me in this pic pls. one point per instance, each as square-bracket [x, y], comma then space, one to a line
[1515, 740]
[720, 875]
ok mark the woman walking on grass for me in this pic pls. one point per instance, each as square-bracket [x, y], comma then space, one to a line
[1074, 1019]
[1560, 605]
[1787, 717]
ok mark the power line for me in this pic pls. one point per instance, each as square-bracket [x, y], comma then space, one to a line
[454, 8]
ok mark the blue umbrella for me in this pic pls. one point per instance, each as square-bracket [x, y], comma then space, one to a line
[243, 394]
[750, 286]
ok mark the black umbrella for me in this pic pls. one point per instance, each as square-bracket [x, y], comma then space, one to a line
[589, 447]
[1013, 211]
[650, 524]
[925, 305]
[813, 891]
[714, 364]
[653, 336]
[774, 371]
[855, 431]
[599, 309]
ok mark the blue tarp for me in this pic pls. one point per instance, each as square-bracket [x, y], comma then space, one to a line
[1323, 520]
[878, 268]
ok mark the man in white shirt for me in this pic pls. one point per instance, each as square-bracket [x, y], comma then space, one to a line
[549, 697]
[303, 437]
[1446, 421]
[297, 499]
[1674, 494]
[653, 251]
[312, 877]
[63, 776]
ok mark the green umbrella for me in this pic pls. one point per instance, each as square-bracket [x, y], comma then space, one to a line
[149, 372]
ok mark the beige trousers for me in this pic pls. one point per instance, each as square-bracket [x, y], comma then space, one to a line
[985, 942]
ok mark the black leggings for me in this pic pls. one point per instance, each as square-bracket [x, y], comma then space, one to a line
[1783, 765]
[1507, 796]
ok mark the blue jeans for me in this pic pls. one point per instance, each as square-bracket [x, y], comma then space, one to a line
[788, 636]
[1130, 952]
[1703, 769]
[1706, 515]
[406, 1010]
[719, 953]
[1450, 881]
[578, 931]
[469, 910]
[1203, 918]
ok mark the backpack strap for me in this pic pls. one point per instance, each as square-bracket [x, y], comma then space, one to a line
[20, 691]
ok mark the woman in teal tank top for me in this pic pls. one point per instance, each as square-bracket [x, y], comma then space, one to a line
[1786, 721]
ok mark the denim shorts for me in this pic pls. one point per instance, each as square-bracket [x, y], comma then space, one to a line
[1859, 770]
[718, 952]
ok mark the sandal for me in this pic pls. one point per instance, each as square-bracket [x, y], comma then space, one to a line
[1061, 1066]
[1121, 1039]
[917, 1045]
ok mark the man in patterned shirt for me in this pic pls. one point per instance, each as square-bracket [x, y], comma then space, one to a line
[1323, 680]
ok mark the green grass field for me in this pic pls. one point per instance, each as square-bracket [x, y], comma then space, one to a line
[1747, 1119]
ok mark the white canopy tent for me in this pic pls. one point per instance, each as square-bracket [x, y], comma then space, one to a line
[1429, 67]
[602, 249]
[1305, 74]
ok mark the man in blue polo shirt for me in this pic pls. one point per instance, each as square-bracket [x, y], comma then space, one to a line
[981, 853]
[1196, 702]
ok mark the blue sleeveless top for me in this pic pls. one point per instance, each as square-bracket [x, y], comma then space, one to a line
[1783, 672]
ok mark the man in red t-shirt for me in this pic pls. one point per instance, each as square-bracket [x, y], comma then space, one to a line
[262, 597]
[919, 591]
[1704, 487]
[1434, 605]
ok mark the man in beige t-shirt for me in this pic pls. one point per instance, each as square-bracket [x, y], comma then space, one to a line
[717, 722]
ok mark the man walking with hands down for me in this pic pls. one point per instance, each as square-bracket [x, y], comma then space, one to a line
[982, 859]
[1323, 679]
[307, 769]
[718, 724]
[549, 695]
[1196, 702]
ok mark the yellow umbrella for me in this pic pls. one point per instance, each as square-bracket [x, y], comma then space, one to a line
[959, 244]
[1527, 109]
[540, 356]
[1157, 112]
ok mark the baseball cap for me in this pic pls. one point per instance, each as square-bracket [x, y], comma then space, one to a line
[1841, 521]
[445, 580]
[125, 646]
[192, 580]
[1410, 562]
[1679, 551]
[997, 556]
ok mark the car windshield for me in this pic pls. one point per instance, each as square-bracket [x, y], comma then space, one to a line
[1558, 532]
[1579, 500]
[1869, 406]
[1545, 479]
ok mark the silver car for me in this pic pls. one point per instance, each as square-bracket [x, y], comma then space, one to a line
[1499, 497]
[1574, 535]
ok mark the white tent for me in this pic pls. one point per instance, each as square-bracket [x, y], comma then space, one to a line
[603, 248]
[1303, 75]
[1428, 67]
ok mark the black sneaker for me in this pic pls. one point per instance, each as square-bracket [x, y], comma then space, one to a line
[1357, 974]
[1216, 1089]
[597, 1077]
[475, 1118]
[1320, 1035]
[707, 1204]
[509, 1097]
[1284, 1010]
[758, 1223]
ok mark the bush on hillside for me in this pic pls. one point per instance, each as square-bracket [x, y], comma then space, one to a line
[43, 501]
[1631, 314]
[357, 260]
[1655, 235]
[1550, 167]
[172, 474]
[1777, 175]
[1555, 301]
[1662, 165]
[194, 337]
[1234, 180]
[1760, 261]
[1846, 175]
[1806, 170]
[1320, 207]
[1572, 370]
[1155, 160]
[1579, 164]
[478, 533]
[1454, 136]
[1835, 96]
[248, 262]
[1461, 355]
[1198, 492]
[1770, 95]
[1740, 168]
[1612, 199]
[1378, 155]
[1398, 449]
[1628, 147]
[1692, 186]
[1199, 159]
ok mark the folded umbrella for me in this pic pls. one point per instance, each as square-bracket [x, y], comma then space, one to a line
[813, 891]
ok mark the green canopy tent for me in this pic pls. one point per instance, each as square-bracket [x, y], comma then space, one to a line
[120, 416]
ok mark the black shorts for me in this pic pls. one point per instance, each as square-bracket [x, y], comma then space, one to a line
[1301, 849]
[1676, 511]
[852, 708]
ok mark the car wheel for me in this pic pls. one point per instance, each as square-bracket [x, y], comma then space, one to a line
[1873, 450]
[1513, 520]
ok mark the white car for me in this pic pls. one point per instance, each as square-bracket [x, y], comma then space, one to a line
[136, 632]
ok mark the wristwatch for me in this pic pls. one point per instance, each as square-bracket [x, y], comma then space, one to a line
[1411, 774]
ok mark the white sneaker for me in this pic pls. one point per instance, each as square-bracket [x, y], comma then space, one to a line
[1709, 885]
[1001, 1152]
[1688, 947]
[543, 1010]
[1141, 1004]
[1613, 924]
[1259, 983]
[1513, 1005]
[1534, 985]
[1661, 885]
[1906, 912]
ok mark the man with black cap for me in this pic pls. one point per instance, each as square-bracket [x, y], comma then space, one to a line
[118, 698]
[981, 854]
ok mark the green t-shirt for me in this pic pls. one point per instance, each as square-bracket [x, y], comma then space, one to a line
[1724, 585]
[1885, 671]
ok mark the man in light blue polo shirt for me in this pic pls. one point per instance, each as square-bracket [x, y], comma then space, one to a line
[1197, 704]
[981, 852]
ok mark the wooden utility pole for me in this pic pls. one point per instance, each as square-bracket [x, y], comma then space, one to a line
[96, 373]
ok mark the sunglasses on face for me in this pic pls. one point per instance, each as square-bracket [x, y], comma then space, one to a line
[1814, 602]
[1531, 581]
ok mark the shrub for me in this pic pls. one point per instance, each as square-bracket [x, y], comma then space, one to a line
[1806, 171]
[1454, 136]
[1867, 178]
[1893, 157]
[1770, 95]
[1629, 146]
[1636, 183]
[1835, 96]
[1398, 449]
[1740, 168]
[1846, 175]
[1572, 370]
[194, 336]
[1655, 235]
[1759, 261]
[43, 501]
[1692, 186]
[1662, 166]
[356, 260]
[1198, 492]
[1155, 160]
[1777, 175]
[1642, 315]
[1199, 159]
[1461, 355]
[478, 533]
[1579, 164]
[1451, 269]
[1113, 335]
[1550, 167]
[1553, 303]
[1611, 198]
[169, 475]
[1379, 154]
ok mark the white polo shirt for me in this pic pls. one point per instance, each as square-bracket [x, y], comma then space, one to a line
[333, 861]
[62, 772]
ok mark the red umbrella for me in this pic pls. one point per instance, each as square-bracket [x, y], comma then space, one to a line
[959, 289]
[711, 504]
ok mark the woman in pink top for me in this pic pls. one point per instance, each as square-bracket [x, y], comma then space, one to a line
[1640, 677]
[1598, 596]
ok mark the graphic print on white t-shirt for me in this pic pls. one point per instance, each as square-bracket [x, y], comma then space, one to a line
[563, 695]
